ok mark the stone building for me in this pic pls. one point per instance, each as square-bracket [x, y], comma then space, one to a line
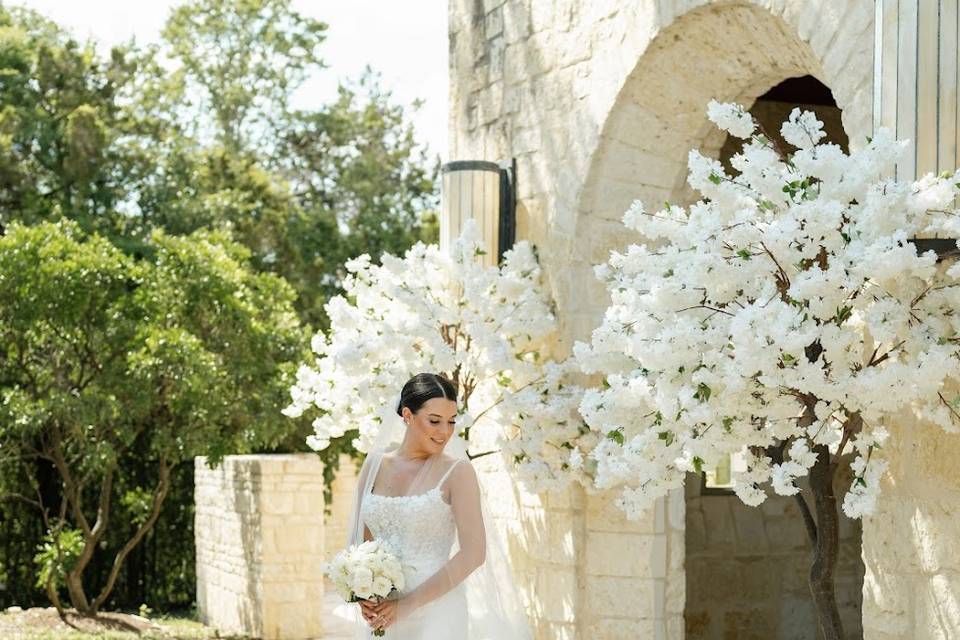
[598, 102]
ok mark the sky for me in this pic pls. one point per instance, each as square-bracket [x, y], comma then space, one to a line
[405, 41]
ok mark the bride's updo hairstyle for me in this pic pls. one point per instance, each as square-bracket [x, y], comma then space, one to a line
[423, 387]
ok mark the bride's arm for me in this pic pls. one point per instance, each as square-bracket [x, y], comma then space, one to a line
[471, 536]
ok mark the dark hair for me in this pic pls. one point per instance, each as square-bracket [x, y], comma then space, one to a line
[423, 387]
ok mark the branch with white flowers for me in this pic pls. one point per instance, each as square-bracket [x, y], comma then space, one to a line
[488, 329]
[785, 309]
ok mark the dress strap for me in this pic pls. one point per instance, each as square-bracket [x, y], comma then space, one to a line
[455, 463]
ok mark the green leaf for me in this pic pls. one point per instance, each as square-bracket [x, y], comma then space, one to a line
[715, 179]
[843, 313]
[666, 436]
[56, 555]
[702, 393]
[616, 435]
[698, 464]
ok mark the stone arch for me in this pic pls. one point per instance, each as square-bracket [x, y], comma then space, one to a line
[730, 51]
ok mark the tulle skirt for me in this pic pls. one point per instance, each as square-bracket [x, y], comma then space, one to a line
[442, 619]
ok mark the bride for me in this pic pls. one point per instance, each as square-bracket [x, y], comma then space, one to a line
[418, 492]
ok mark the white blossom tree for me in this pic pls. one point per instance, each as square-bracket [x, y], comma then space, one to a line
[786, 315]
[488, 329]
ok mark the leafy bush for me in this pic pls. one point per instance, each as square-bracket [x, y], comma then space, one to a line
[107, 362]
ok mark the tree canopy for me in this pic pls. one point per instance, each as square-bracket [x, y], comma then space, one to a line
[200, 131]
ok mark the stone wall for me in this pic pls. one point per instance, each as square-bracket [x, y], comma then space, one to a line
[543, 535]
[634, 578]
[747, 568]
[911, 546]
[599, 103]
[259, 541]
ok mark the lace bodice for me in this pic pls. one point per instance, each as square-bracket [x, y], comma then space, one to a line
[420, 528]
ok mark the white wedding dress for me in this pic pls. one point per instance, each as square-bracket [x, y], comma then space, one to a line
[422, 529]
[458, 584]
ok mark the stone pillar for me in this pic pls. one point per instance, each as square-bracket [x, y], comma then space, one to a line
[259, 540]
[911, 587]
[634, 576]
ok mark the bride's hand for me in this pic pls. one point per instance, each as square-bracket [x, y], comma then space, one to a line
[366, 608]
[385, 614]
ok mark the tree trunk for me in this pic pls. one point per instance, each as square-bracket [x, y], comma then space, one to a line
[55, 599]
[159, 495]
[826, 546]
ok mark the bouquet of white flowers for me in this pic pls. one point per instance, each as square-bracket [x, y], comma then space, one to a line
[366, 571]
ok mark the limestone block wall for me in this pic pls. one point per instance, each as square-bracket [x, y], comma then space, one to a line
[747, 568]
[911, 545]
[543, 541]
[259, 543]
[633, 571]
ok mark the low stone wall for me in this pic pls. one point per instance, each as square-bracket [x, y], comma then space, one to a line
[259, 541]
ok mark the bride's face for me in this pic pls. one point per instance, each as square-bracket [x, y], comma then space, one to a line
[433, 425]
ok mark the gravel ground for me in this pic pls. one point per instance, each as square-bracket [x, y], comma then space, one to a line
[43, 623]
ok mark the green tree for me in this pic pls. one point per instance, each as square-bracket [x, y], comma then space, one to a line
[104, 358]
[353, 176]
[59, 119]
[357, 161]
[124, 145]
[241, 60]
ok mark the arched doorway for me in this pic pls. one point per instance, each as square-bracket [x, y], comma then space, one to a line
[730, 52]
[747, 567]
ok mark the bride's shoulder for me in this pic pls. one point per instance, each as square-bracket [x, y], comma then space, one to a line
[459, 469]
[452, 460]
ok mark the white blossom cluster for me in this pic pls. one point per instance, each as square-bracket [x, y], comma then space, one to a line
[365, 570]
[785, 311]
[486, 327]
